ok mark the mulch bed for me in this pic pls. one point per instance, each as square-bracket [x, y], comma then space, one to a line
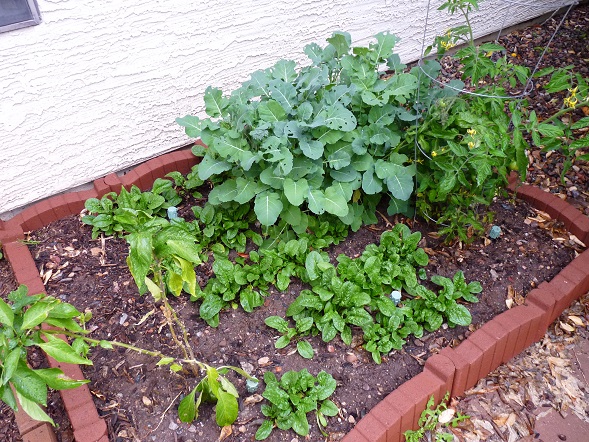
[139, 400]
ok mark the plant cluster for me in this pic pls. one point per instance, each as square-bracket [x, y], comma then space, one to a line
[291, 398]
[563, 131]
[433, 422]
[355, 294]
[128, 211]
[339, 134]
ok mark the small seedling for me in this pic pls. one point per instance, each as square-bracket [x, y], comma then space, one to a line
[433, 422]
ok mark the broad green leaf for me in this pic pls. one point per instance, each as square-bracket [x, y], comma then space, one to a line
[140, 256]
[186, 250]
[549, 130]
[224, 192]
[282, 342]
[192, 126]
[295, 191]
[264, 430]
[341, 41]
[246, 190]
[187, 408]
[316, 201]
[6, 314]
[401, 185]
[33, 409]
[278, 323]
[313, 258]
[328, 408]
[267, 207]
[458, 314]
[311, 148]
[56, 379]
[7, 396]
[384, 47]
[29, 385]
[283, 93]
[61, 351]
[214, 102]
[212, 166]
[284, 70]
[305, 349]
[300, 424]
[36, 314]
[371, 184]
[346, 190]
[336, 117]
[226, 409]
[271, 111]
[228, 386]
[154, 289]
[10, 364]
[334, 202]
[402, 84]
[232, 148]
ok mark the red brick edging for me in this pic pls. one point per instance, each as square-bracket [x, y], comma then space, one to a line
[86, 423]
[453, 369]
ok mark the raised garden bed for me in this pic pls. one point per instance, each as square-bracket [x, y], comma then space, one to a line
[469, 354]
[452, 369]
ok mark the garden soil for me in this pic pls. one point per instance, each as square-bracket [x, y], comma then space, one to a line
[139, 400]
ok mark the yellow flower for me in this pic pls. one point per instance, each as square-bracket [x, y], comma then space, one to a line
[434, 153]
[447, 45]
[471, 131]
[470, 144]
[570, 101]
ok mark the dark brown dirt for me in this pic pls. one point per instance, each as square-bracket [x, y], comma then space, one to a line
[133, 394]
[140, 400]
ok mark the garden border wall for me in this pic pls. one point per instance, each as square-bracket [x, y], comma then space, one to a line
[453, 369]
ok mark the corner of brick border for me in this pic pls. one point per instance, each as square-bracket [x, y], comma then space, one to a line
[87, 425]
[457, 369]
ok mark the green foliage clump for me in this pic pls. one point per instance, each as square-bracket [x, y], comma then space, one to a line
[291, 398]
[129, 210]
[432, 423]
[355, 294]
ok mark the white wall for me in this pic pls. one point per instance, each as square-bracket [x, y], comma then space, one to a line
[96, 87]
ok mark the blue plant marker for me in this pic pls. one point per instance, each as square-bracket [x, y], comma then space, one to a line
[172, 213]
[495, 232]
[251, 385]
[396, 296]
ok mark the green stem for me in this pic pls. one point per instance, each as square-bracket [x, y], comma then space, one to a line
[566, 110]
[467, 20]
[155, 354]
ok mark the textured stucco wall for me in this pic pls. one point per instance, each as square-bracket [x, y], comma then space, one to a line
[96, 87]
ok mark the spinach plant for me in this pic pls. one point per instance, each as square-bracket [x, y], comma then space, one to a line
[294, 396]
[355, 294]
[127, 212]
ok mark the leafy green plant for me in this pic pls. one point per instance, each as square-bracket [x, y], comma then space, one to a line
[320, 140]
[294, 396]
[38, 320]
[129, 210]
[228, 224]
[563, 131]
[20, 321]
[433, 422]
[355, 294]
[167, 250]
